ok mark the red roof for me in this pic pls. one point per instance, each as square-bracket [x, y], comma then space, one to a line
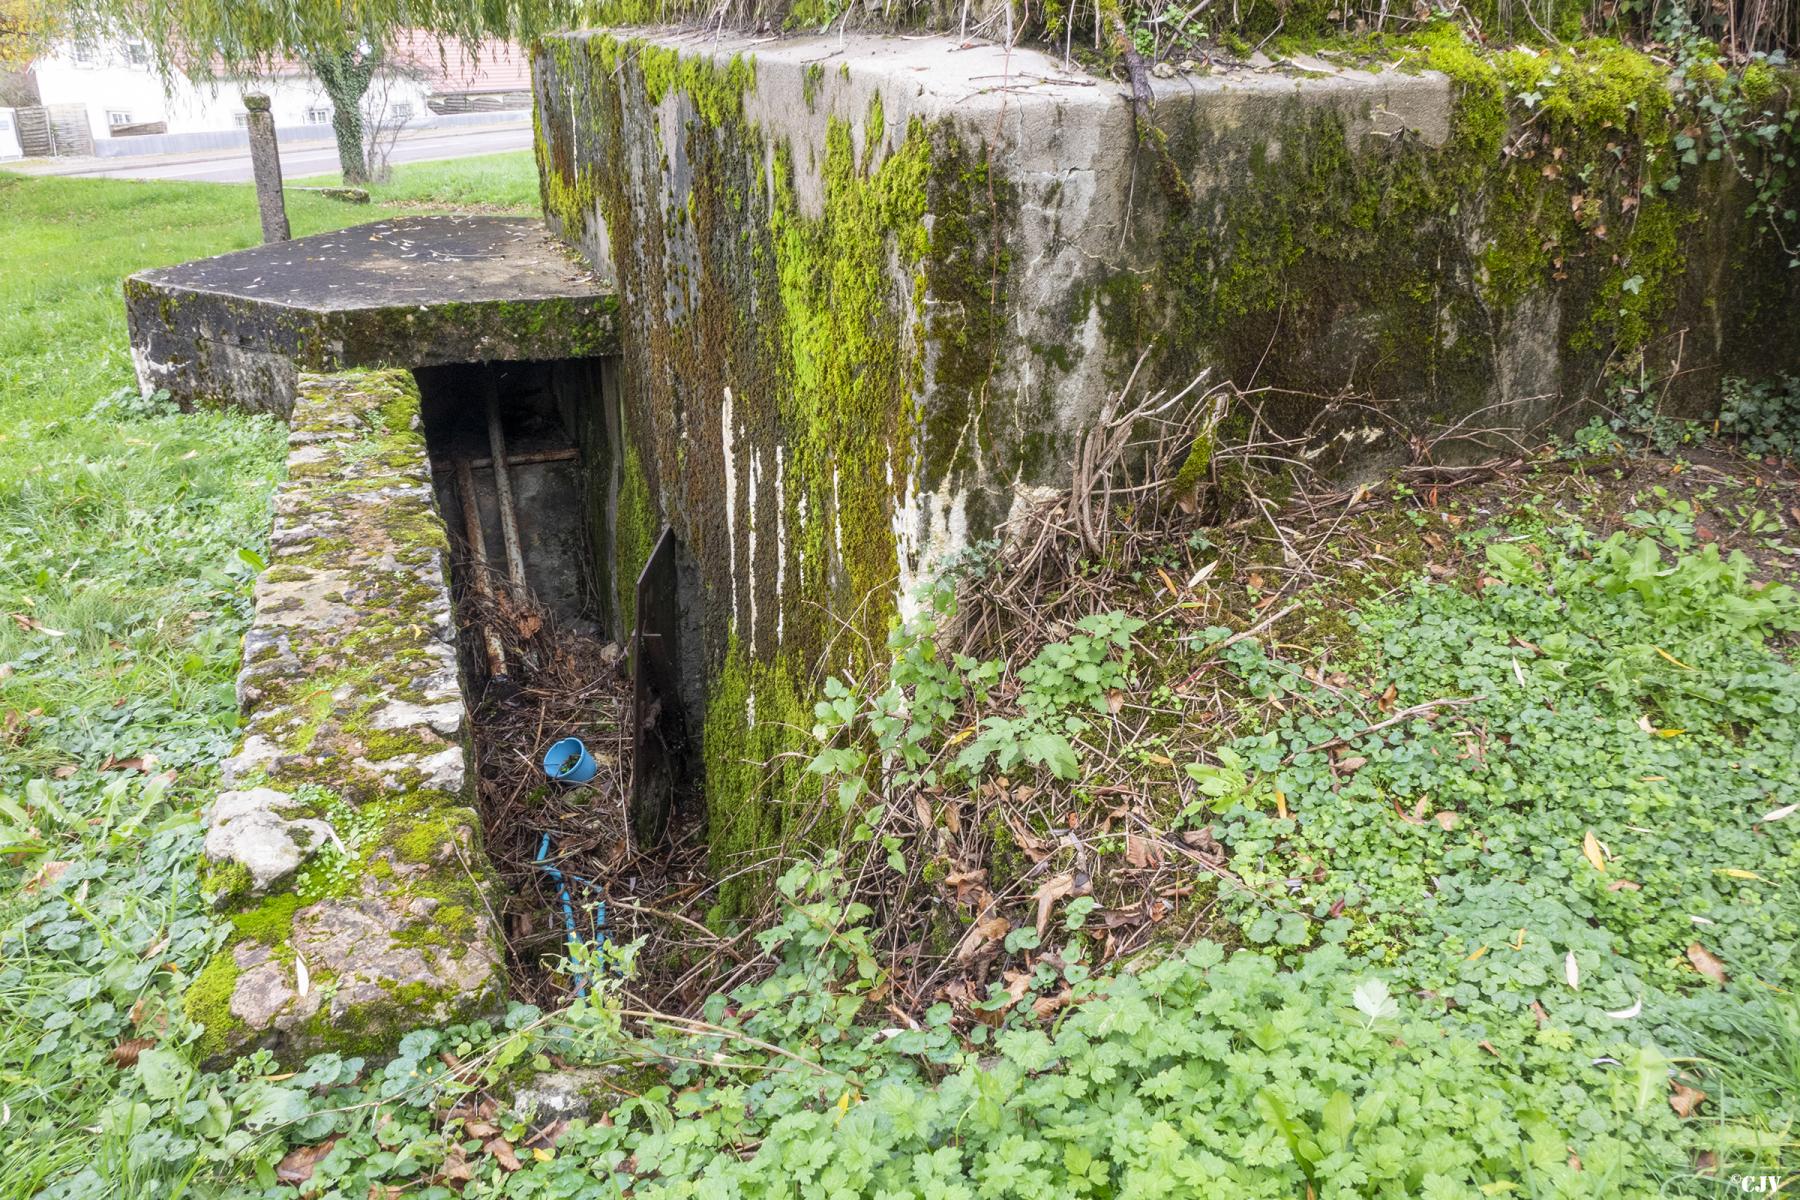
[448, 67]
[443, 65]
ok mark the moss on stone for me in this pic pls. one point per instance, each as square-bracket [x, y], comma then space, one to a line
[636, 525]
[318, 703]
[269, 923]
[207, 1002]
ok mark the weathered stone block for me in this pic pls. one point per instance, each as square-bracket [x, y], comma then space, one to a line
[347, 855]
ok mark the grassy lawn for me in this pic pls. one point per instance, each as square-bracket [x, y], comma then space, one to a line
[125, 532]
[491, 182]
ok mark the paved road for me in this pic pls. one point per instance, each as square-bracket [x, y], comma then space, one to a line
[300, 161]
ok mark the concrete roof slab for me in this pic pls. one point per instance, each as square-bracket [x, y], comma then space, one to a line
[410, 292]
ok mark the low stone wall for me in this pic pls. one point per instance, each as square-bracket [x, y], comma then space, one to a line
[344, 851]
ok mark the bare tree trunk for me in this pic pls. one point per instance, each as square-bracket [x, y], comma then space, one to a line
[345, 75]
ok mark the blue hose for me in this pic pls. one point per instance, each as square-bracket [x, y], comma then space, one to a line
[568, 908]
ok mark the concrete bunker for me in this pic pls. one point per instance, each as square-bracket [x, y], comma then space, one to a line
[872, 292]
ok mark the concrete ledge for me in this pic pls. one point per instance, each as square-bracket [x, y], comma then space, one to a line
[421, 291]
[344, 850]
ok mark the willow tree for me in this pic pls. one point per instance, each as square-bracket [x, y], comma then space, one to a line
[344, 43]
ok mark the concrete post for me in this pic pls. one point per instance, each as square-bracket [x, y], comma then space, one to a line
[265, 163]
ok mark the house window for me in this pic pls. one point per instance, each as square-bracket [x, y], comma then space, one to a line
[84, 55]
[116, 117]
[137, 54]
[241, 120]
[318, 114]
[403, 111]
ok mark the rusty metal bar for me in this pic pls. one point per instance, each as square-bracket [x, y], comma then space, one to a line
[478, 574]
[529, 458]
[503, 493]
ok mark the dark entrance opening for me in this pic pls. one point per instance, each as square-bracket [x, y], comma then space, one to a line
[524, 473]
[512, 477]
[666, 657]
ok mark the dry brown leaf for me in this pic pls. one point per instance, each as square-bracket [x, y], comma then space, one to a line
[1706, 964]
[1447, 819]
[125, 1054]
[1049, 892]
[1684, 1099]
[480, 1129]
[456, 1168]
[46, 875]
[922, 810]
[502, 1150]
[1204, 847]
[967, 884]
[1017, 983]
[1353, 764]
[296, 1166]
[34, 625]
[1624, 885]
[1142, 851]
[980, 935]
[548, 1136]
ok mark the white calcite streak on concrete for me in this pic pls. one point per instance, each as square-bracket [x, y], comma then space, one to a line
[728, 447]
[780, 543]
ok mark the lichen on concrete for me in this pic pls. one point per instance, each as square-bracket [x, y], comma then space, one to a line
[345, 855]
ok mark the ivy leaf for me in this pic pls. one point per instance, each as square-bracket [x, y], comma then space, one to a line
[164, 1074]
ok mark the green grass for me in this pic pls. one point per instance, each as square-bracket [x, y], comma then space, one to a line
[121, 526]
[503, 182]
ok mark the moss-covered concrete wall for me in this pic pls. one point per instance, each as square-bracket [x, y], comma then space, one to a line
[873, 290]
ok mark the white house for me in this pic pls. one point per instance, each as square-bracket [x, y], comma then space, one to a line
[122, 91]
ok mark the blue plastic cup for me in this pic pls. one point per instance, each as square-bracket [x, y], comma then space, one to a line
[569, 762]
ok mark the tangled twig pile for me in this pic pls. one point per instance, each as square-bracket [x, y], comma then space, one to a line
[563, 683]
